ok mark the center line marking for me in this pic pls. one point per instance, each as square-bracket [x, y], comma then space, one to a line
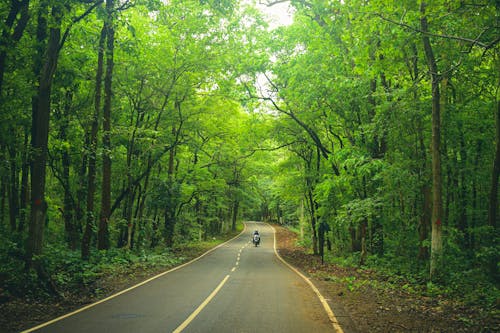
[200, 308]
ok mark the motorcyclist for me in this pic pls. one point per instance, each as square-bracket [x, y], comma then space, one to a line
[256, 238]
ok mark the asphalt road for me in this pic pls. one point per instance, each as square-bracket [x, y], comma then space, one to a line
[236, 288]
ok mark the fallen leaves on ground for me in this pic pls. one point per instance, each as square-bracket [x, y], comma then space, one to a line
[373, 305]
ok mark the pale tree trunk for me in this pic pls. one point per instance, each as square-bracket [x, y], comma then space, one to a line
[103, 232]
[437, 204]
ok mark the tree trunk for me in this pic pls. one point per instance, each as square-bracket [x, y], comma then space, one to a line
[475, 204]
[39, 141]
[424, 204]
[462, 195]
[493, 202]
[236, 205]
[13, 194]
[103, 232]
[424, 222]
[364, 252]
[154, 229]
[2, 199]
[131, 188]
[128, 216]
[138, 224]
[71, 229]
[24, 192]
[142, 204]
[169, 217]
[90, 220]
[302, 219]
[437, 209]
[170, 207]
[314, 236]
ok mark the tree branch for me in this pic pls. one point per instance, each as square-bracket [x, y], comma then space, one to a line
[272, 3]
[136, 181]
[76, 20]
[324, 151]
[462, 39]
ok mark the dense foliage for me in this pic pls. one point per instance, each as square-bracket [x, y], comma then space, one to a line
[390, 113]
[141, 125]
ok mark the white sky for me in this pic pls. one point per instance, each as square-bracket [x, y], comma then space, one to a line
[279, 14]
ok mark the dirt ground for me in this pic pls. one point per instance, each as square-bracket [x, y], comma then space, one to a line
[358, 298]
[362, 302]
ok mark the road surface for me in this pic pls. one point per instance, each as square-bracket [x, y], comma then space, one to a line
[236, 288]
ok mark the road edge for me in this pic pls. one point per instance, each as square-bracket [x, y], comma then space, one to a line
[322, 299]
[42, 325]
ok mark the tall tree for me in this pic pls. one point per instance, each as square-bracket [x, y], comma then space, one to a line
[495, 175]
[103, 232]
[40, 127]
[92, 154]
[437, 200]
[50, 40]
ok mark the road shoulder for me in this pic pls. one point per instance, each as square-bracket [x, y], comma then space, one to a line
[363, 302]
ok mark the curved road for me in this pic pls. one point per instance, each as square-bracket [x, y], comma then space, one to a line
[236, 288]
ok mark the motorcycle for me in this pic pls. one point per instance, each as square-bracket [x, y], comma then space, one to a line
[256, 240]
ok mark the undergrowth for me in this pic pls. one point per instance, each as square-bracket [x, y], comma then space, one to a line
[70, 274]
[469, 286]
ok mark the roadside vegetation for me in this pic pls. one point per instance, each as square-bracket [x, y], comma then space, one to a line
[371, 298]
[26, 302]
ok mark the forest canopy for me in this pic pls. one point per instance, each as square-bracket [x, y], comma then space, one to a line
[372, 127]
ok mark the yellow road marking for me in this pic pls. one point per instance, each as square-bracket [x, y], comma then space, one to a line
[131, 288]
[200, 308]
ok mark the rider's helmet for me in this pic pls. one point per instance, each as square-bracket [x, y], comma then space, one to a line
[256, 232]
